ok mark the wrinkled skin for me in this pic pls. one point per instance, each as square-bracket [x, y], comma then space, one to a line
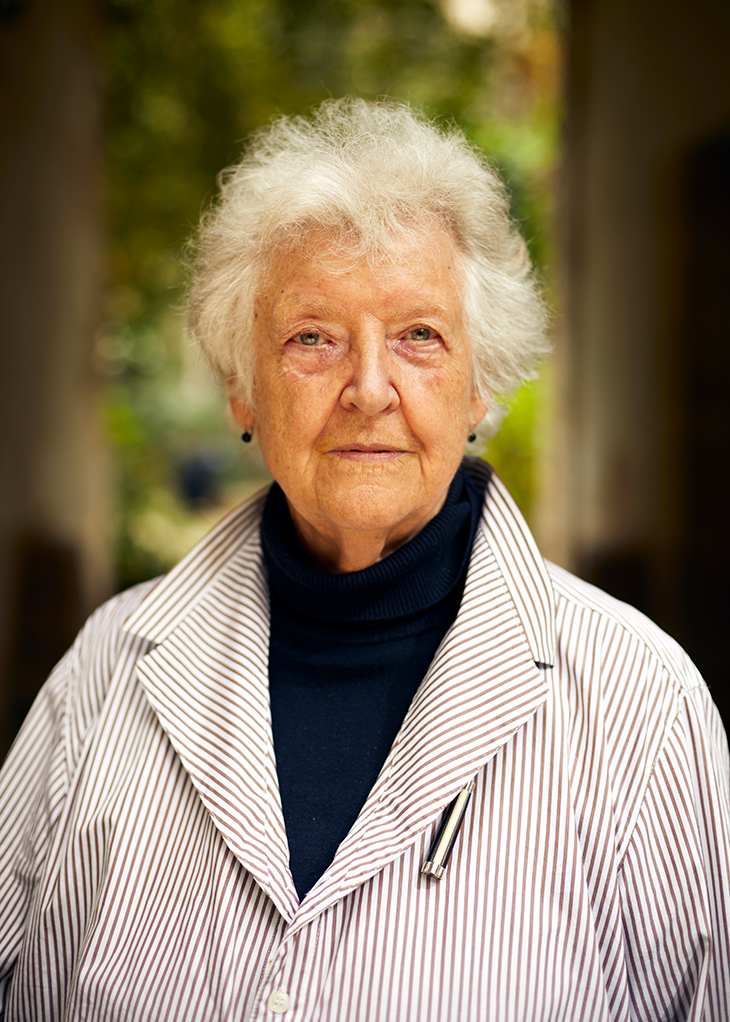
[363, 392]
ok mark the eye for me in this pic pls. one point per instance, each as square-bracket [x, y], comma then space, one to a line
[420, 333]
[310, 338]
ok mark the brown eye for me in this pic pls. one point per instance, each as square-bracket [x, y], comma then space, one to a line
[310, 339]
[420, 333]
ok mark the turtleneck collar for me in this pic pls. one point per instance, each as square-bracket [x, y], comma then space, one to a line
[414, 578]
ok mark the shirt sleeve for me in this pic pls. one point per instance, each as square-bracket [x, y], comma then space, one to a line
[33, 786]
[675, 876]
[38, 773]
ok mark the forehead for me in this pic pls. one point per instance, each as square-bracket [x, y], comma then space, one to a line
[328, 273]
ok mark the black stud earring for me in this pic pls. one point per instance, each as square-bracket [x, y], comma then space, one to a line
[471, 438]
[246, 437]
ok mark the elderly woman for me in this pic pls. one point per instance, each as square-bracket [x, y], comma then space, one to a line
[236, 796]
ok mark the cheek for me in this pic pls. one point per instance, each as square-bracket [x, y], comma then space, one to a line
[292, 416]
[440, 407]
[306, 407]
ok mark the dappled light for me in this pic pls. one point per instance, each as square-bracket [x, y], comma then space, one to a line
[186, 84]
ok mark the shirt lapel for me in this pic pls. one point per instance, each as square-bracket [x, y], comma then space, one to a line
[483, 686]
[207, 680]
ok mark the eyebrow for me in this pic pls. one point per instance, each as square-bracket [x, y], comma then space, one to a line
[308, 306]
[323, 310]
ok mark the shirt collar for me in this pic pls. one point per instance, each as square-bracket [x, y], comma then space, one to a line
[236, 538]
[519, 560]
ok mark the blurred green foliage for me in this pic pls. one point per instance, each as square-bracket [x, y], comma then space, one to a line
[186, 82]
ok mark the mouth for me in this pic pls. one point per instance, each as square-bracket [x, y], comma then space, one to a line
[367, 452]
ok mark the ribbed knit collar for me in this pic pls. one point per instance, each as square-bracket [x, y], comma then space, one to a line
[412, 579]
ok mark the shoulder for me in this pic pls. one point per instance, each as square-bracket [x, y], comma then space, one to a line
[626, 687]
[99, 642]
[108, 619]
[76, 690]
[590, 622]
[42, 761]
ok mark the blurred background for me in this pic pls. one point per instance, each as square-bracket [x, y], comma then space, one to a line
[610, 121]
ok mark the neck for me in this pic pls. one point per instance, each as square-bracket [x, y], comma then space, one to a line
[345, 550]
[413, 578]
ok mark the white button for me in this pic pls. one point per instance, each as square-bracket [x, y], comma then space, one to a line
[278, 1002]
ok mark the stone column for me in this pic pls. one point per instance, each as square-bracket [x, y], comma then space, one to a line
[54, 538]
[648, 89]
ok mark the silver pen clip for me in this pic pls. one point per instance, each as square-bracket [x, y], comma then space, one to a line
[438, 857]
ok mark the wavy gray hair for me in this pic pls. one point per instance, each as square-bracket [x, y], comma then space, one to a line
[366, 171]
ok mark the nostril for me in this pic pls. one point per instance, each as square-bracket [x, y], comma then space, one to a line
[371, 391]
[370, 400]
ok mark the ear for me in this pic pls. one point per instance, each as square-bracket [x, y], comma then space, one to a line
[242, 413]
[477, 410]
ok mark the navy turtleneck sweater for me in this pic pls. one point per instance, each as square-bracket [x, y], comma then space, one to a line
[346, 655]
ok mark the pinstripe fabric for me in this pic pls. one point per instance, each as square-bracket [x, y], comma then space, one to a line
[143, 857]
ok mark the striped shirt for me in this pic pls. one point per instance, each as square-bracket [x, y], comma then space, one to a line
[143, 857]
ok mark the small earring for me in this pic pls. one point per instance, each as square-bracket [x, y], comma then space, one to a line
[471, 438]
[246, 437]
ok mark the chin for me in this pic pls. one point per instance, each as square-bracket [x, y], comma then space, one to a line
[369, 508]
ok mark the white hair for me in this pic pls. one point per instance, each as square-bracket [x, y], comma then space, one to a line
[367, 171]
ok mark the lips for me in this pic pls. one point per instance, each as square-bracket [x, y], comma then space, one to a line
[370, 448]
[367, 452]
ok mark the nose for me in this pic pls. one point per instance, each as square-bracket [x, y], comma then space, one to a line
[370, 387]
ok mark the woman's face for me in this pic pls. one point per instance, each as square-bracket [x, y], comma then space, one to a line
[363, 394]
